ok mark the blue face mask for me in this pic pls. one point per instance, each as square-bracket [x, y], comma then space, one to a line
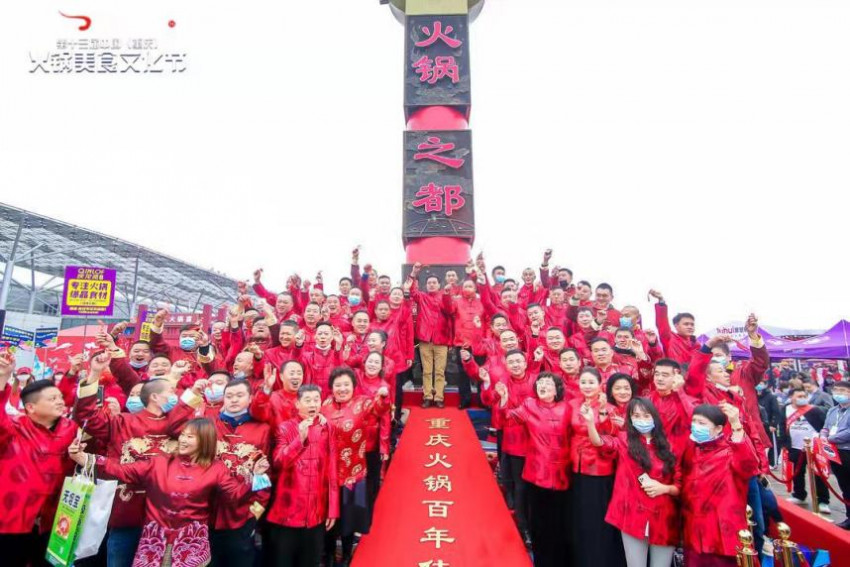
[187, 343]
[500, 279]
[841, 398]
[214, 393]
[800, 402]
[626, 323]
[760, 387]
[138, 364]
[238, 375]
[700, 433]
[134, 404]
[643, 426]
[260, 482]
[170, 403]
[354, 301]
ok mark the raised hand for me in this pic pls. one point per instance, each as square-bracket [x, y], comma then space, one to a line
[119, 328]
[258, 273]
[538, 354]
[269, 376]
[75, 363]
[199, 386]
[586, 412]
[547, 255]
[75, 452]
[484, 375]
[97, 365]
[261, 466]
[752, 325]
[160, 318]
[7, 367]
[656, 294]
[465, 355]
[719, 339]
[304, 428]
[181, 367]
[651, 336]
[383, 392]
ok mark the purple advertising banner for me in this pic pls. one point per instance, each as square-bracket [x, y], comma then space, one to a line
[88, 291]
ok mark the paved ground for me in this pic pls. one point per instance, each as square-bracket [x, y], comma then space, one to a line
[836, 506]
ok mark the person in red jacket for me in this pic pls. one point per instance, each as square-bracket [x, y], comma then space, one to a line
[323, 356]
[716, 469]
[603, 359]
[620, 390]
[569, 369]
[644, 505]
[675, 407]
[679, 345]
[546, 470]
[182, 489]
[432, 330]
[133, 437]
[306, 504]
[594, 542]
[274, 403]
[514, 438]
[242, 442]
[351, 416]
[370, 379]
[469, 322]
[33, 466]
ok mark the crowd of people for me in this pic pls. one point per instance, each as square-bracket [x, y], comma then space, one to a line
[263, 439]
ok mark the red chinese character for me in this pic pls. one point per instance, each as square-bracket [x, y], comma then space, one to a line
[433, 197]
[436, 147]
[431, 71]
[438, 35]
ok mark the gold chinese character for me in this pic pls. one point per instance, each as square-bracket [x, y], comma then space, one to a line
[437, 459]
[438, 508]
[438, 439]
[439, 422]
[433, 563]
[437, 536]
[433, 484]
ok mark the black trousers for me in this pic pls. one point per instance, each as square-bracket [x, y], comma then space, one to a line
[842, 475]
[800, 479]
[400, 379]
[373, 476]
[515, 488]
[21, 550]
[548, 524]
[234, 547]
[295, 547]
[594, 542]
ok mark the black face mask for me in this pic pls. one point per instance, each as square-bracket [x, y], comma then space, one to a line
[623, 351]
[564, 284]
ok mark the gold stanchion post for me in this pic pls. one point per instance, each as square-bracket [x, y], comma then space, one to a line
[810, 463]
[747, 555]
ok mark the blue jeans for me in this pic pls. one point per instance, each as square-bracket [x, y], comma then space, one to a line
[121, 546]
[754, 501]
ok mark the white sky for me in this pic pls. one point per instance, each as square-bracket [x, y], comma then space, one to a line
[698, 147]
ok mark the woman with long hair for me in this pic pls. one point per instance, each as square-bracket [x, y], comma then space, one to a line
[545, 418]
[620, 390]
[594, 542]
[644, 506]
[181, 490]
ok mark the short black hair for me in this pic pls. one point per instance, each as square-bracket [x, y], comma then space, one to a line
[307, 388]
[681, 316]
[290, 323]
[514, 351]
[236, 382]
[340, 371]
[384, 277]
[585, 282]
[625, 330]
[497, 316]
[556, 328]
[569, 271]
[559, 384]
[32, 392]
[724, 347]
[712, 413]
[225, 372]
[535, 304]
[569, 349]
[605, 286]
[380, 333]
[146, 343]
[668, 363]
[160, 355]
[323, 324]
[288, 362]
[598, 340]
[793, 391]
[312, 303]
[592, 371]
[493, 271]
[346, 279]
[841, 384]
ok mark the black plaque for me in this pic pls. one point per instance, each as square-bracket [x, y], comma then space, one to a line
[437, 63]
[438, 189]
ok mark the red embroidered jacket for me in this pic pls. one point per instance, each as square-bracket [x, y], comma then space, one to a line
[351, 421]
[547, 458]
[584, 456]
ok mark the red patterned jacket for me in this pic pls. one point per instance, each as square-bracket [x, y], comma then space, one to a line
[631, 509]
[274, 409]
[514, 433]
[33, 465]
[378, 432]
[239, 448]
[676, 346]
[547, 458]
[308, 488]
[351, 421]
[584, 456]
[129, 438]
[715, 480]
[676, 411]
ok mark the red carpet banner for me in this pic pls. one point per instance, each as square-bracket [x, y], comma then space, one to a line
[440, 505]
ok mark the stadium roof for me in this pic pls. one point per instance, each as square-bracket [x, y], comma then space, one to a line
[45, 246]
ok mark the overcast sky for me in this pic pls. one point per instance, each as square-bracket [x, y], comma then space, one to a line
[698, 147]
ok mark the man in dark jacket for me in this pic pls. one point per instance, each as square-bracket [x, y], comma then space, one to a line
[771, 417]
[804, 421]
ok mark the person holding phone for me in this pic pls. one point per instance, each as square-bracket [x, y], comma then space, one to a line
[644, 505]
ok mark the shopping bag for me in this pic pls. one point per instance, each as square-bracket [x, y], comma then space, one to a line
[68, 523]
[97, 517]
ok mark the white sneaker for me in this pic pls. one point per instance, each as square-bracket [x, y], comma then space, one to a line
[795, 500]
[824, 509]
[767, 548]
